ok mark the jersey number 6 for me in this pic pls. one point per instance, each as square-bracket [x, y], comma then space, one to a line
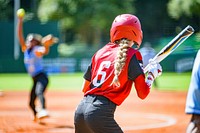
[101, 74]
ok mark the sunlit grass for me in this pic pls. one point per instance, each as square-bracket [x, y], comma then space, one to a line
[174, 81]
[73, 82]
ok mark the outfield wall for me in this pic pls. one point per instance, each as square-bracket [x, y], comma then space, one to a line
[181, 62]
[76, 62]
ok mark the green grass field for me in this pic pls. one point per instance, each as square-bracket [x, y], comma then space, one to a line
[15, 82]
[174, 81]
[73, 82]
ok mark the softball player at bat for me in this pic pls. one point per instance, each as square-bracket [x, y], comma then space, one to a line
[193, 98]
[34, 49]
[109, 78]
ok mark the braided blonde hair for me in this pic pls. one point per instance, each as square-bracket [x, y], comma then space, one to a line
[120, 60]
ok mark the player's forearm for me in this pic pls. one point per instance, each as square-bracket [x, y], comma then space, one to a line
[46, 50]
[20, 34]
[85, 85]
[142, 88]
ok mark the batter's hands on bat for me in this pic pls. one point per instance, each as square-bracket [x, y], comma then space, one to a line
[155, 69]
[49, 40]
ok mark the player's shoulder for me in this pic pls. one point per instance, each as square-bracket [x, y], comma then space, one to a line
[136, 53]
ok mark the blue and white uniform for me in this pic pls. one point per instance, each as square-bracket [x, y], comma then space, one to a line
[33, 63]
[193, 97]
[35, 69]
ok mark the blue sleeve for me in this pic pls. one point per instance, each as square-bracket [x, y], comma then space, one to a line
[193, 96]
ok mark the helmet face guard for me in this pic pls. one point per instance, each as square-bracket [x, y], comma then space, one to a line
[126, 26]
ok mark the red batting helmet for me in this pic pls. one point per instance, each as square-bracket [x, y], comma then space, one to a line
[126, 26]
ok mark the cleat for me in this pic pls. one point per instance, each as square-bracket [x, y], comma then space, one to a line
[42, 114]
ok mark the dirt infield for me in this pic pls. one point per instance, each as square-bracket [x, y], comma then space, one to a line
[161, 112]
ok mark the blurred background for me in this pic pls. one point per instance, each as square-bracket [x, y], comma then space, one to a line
[83, 27]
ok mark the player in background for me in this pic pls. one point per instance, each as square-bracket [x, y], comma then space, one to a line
[147, 53]
[34, 48]
[193, 98]
[109, 78]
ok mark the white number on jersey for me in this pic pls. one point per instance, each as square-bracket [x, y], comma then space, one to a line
[101, 75]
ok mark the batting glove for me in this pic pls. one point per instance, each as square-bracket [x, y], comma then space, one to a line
[155, 70]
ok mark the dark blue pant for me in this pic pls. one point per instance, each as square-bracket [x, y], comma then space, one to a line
[95, 114]
[40, 83]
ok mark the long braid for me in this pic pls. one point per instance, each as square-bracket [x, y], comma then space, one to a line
[120, 60]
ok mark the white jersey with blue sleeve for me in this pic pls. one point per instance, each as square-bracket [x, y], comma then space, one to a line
[193, 96]
[33, 63]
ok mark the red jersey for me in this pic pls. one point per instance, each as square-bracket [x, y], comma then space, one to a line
[101, 74]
